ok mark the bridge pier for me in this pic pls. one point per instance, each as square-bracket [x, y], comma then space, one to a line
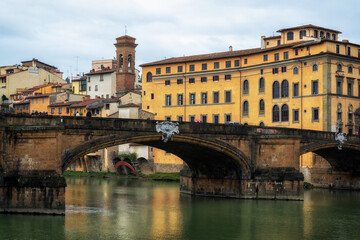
[33, 193]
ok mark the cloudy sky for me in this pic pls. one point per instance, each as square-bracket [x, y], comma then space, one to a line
[69, 34]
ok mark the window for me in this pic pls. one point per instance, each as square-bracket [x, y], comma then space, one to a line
[295, 70]
[350, 70]
[228, 77]
[204, 66]
[203, 79]
[192, 98]
[227, 118]
[167, 82]
[315, 114]
[348, 51]
[337, 48]
[215, 97]
[204, 98]
[89, 88]
[314, 87]
[191, 80]
[316, 33]
[245, 61]
[276, 90]
[245, 108]
[339, 68]
[216, 118]
[168, 100]
[349, 89]
[284, 113]
[107, 106]
[283, 69]
[228, 96]
[358, 53]
[339, 81]
[152, 96]
[149, 77]
[192, 68]
[96, 88]
[228, 64]
[327, 35]
[192, 118]
[60, 110]
[278, 42]
[179, 81]
[290, 36]
[265, 58]
[261, 71]
[276, 57]
[167, 118]
[43, 100]
[284, 89]
[246, 87]
[296, 115]
[179, 118]
[315, 68]
[261, 85]
[215, 78]
[275, 114]
[236, 63]
[295, 89]
[216, 65]
[180, 99]
[52, 110]
[158, 70]
[339, 112]
[203, 118]
[67, 110]
[168, 69]
[89, 79]
[333, 37]
[275, 70]
[296, 52]
[180, 68]
[101, 77]
[302, 34]
[286, 55]
[261, 107]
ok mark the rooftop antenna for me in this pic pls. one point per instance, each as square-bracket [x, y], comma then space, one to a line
[125, 30]
[77, 63]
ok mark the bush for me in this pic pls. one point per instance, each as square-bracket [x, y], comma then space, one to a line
[131, 156]
[308, 185]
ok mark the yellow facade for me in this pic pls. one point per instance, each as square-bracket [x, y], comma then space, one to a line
[78, 86]
[226, 86]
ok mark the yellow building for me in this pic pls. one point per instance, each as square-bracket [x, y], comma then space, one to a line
[78, 85]
[304, 78]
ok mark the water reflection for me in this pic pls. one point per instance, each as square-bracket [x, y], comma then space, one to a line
[99, 208]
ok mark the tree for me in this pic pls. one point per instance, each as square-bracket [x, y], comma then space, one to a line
[4, 98]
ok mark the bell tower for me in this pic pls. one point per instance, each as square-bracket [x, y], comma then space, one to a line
[125, 63]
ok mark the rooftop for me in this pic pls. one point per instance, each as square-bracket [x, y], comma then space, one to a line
[308, 26]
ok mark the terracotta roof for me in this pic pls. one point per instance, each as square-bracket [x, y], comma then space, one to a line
[34, 59]
[40, 95]
[95, 106]
[86, 102]
[110, 100]
[61, 104]
[5, 104]
[101, 71]
[22, 102]
[308, 26]
[79, 79]
[220, 55]
[129, 105]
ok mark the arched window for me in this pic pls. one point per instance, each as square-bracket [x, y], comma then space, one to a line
[321, 34]
[316, 34]
[121, 62]
[315, 67]
[262, 124]
[261, 85]
[302, 34]
[246, 87]
[276, 89]
[350, 113]
[339, 112]
[327, 35]
[275, 113]
[261, 107]
[284, 113]
[333, 37]
[246, 108]
[295, 70]
[290, 36]
[284, 89]
[129, 61]
[350, 69]
[339, 67]
[149, 77]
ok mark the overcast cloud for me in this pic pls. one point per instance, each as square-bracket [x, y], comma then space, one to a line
[59, 31]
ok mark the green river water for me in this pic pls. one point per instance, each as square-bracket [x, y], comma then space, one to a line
[114, 208]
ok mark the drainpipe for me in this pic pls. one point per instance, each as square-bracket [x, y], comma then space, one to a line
[184, 99]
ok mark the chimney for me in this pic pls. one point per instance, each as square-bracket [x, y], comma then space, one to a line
[230, 48]
[262, 42]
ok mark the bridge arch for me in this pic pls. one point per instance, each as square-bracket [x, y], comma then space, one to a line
[347, 159]
[215, 159]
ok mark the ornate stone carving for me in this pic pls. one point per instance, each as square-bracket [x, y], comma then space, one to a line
[168, 130]
[341, 137]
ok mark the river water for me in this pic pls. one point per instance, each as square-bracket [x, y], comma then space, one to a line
[99, 208]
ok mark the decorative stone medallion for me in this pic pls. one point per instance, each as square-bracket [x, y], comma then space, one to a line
[341, 137]
[168, 130]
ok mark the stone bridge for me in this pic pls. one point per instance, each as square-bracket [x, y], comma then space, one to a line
[222, 160]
